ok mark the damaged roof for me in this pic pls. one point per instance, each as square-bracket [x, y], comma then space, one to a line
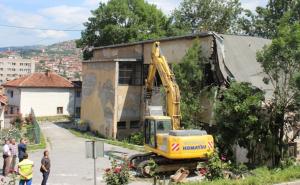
[240, 59]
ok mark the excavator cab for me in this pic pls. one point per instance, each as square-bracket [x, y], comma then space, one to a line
[156, 125]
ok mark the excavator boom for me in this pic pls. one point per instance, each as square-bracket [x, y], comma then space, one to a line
[160, 64]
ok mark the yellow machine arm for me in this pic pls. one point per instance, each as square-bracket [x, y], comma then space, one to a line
[160, 64]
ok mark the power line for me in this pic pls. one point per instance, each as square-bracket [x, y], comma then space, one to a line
[42, 29]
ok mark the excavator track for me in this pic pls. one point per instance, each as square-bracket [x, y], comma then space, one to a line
[143, 164]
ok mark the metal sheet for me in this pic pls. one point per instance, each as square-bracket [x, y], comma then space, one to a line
[94, 149]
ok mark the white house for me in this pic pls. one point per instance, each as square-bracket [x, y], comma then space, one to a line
[48, 94]
[3, 103]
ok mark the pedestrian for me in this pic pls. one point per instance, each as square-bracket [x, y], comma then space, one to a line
[6, 158]
[25, 170]
[13, 149]
[21, 149]
[45, 167]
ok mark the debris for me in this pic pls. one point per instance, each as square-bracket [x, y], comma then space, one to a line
[180, 175]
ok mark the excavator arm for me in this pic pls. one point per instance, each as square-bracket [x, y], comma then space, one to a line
[159, 63]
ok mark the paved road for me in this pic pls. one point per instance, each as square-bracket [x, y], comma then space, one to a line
[69, 165]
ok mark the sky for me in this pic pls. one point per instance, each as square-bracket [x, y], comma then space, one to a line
[58, 15]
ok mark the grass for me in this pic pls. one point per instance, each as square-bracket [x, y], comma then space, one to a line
[90, 136]
[42, 145]
[52, 118]
[262, 176]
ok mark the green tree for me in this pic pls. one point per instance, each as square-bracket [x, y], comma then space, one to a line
[122, 21]
[206, 15]
[281, 63]
[239, 119]
[265, 21]
[189, 76]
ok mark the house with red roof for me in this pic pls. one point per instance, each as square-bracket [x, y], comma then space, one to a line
[48, 94]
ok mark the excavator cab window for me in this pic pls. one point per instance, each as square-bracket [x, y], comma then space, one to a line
[153, 127]
[150, 132]
[163, 126]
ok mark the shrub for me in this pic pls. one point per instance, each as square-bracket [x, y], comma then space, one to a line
[213, 168]
[118, 174]
[29, 119]
[136, 138]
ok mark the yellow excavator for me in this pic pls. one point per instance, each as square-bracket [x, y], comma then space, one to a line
[169, 146]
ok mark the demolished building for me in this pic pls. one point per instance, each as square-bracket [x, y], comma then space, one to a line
[113, 79]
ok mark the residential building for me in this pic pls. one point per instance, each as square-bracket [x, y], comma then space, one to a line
[113, 79]
[14, 67]
[48, 94]
[3, 103]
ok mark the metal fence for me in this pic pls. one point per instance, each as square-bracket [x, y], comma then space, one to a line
[31, 132]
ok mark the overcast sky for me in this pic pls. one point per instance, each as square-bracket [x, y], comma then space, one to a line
[59, 15]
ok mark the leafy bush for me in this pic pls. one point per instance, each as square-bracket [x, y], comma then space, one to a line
[136, 138]
[118, 174]
[213, 168]
[17, 121]
[29, 119]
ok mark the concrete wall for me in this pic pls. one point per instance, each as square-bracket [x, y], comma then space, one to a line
[173, 50]
[44, 101]
[129, 107]
[99, 97]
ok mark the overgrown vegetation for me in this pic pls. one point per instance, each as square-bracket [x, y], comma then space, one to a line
[41, 145]
[261, 176]
[189, 76]
[240, 120]
[136, 138]
[53, 118]
[92, 136]
[281, 63]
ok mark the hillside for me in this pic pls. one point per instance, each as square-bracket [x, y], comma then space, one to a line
[63, 58]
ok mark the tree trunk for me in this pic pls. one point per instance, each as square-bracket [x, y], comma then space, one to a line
[280, 131]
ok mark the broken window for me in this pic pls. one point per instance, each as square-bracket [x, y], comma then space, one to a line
[134, 124]
[130, 73]
[121, 125]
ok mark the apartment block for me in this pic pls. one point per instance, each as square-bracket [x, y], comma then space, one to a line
[14, 67]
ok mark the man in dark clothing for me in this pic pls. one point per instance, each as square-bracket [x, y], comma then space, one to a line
[45, 167]
[21, 149]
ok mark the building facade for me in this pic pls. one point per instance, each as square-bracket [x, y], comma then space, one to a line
[48, 94]
[14, 67]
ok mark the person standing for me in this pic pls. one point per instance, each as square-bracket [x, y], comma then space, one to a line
[21, 149]
[25, 170]
[6, 158]
[14, 149]
[45, 167]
